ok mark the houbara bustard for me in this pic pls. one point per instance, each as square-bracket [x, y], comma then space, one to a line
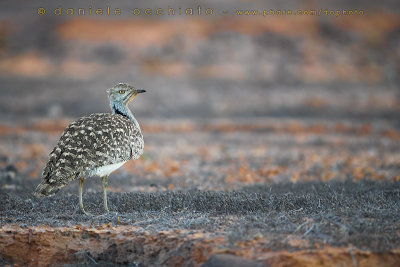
[95, 145]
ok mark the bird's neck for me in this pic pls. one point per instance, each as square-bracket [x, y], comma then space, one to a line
[123, 110]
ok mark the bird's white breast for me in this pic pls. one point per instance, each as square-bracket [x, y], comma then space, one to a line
[107, 169]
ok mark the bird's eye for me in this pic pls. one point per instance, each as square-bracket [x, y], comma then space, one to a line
[121, 92]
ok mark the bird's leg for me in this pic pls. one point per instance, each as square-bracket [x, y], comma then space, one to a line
[81, 180]
[104, 180]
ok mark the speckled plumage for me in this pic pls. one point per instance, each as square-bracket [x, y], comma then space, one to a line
[92, 142]
[89, 143]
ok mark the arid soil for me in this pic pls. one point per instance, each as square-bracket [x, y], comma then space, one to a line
[264, 191]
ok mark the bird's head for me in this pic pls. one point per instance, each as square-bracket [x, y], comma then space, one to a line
[123, 93]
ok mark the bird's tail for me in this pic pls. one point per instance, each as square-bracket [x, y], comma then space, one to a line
[49, 187]
[45, 189]
[52, 183]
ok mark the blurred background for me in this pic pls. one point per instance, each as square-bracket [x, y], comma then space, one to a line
[319, 93]
[201, 66]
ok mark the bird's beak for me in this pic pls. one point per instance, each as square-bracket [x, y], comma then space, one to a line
[135, 93]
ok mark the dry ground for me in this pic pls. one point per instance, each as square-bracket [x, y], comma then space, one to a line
[261, 189]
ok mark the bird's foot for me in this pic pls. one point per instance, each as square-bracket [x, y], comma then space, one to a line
[84, 212]
[87, 213]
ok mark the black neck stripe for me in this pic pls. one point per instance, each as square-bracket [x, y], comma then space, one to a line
[117, 111]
